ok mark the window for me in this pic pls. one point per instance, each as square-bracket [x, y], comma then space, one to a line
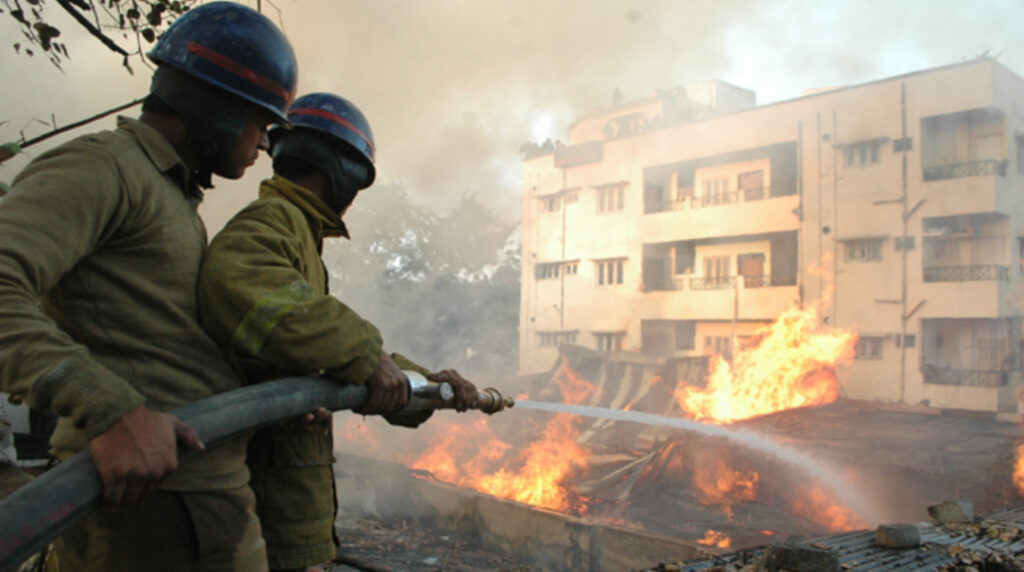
[609, 341]
[718, 345]
[901, 243]
[864, 250]
[869, 348]
[716, 266]
[553, 339]
[551, 204]
[546, 271]
[905, 144]
[861, 154]
[570, 267]
[716, 191]
[571, 197]
[907, 341]
[611, 199]
[609, 271]
[684, 258]
[686, 335]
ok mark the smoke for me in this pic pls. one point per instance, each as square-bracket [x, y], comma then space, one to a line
[452, 88]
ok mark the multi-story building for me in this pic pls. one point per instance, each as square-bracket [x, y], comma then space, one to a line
[680, 224]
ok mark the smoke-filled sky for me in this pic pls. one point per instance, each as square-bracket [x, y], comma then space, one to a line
[452, 88]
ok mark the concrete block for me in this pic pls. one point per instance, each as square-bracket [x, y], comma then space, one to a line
[793, 557]
[952, 512]
[898, 536]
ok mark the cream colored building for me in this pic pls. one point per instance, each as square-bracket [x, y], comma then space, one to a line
[680, 224]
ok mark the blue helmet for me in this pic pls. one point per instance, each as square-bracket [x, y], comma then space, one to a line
[331, 133]
[234, 48]
[338, 117]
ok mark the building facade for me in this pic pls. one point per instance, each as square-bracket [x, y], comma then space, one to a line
[680, 224]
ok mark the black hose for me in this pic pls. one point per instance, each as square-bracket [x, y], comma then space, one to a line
[42, 510]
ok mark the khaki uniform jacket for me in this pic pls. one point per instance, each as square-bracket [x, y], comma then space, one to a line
[100, 248]
[264, 291]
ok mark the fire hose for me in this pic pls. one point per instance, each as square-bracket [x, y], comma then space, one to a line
[43, 509]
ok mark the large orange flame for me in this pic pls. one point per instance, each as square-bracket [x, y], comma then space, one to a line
[1018, 470]
[536, 474]
[791, 366]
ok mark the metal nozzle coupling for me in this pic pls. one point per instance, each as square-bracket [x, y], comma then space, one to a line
[426, 395]
[491, 400]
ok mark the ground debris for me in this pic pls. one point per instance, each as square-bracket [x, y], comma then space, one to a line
[406, 546]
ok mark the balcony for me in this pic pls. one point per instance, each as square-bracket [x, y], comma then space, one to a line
[973, 273]
[964, 377]
[686, 200]
[701, 284]
[967, 169]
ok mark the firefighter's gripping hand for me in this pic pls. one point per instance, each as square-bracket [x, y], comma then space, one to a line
[465, 391]
[388, 388]
[137, 452]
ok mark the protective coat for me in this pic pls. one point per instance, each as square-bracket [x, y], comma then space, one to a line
[264, 292]
[100, 247]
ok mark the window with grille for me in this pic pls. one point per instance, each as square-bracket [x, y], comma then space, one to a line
[609, 271]
[864, 250]
[869, 348]
[611, 199]
[609, 341]
[547, 270]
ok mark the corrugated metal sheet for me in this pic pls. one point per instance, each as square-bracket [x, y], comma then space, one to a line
[940, 547]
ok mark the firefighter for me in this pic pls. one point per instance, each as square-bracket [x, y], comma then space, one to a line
[263, 291]
[100, 247]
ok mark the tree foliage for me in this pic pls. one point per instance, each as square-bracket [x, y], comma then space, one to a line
[133, 24]
[442, 288]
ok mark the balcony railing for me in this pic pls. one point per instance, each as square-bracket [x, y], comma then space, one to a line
[687, 200]
[977, 272]
[713, 283]
[767, 281]
[968, 169]
[968, 377]
[720, 283]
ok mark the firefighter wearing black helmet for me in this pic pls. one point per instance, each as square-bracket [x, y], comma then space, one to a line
[100, 247]
[263, 291]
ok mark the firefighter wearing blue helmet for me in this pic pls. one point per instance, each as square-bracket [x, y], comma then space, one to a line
[267, 256]
[100, 248]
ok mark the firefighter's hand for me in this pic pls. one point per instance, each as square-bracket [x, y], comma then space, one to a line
[465, 391]
[388, 388]
[137, 452]
[320, 416]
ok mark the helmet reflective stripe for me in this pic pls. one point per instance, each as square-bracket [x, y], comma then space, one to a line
[230, 65]
[235, 49]
[340, 121]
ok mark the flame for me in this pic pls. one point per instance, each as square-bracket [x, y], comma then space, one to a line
[718, 484]
[716, 539]
[1018, 470]
[819, 507]
[543, 469]
[537, 474]
[790, 366]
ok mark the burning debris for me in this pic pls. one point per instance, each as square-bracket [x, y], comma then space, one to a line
[777, 453]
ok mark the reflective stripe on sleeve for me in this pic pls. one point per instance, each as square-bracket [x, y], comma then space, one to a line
[261, 320]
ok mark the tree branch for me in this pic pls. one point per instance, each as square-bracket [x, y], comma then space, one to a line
[76, 124]
[66, 4]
